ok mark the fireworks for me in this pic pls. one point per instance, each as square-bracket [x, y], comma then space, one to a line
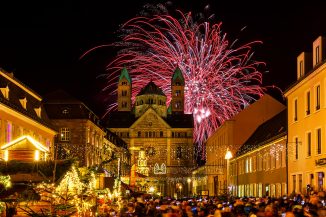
[220, 78]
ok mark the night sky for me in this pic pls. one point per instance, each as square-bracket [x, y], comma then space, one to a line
[42, 42]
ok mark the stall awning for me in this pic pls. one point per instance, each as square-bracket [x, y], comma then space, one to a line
[35, 143]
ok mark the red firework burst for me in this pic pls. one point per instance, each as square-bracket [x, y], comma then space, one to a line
[220, 78]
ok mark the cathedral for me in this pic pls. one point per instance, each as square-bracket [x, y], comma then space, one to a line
[159, 137]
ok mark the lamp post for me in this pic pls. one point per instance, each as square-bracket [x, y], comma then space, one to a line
[228, 156]
[180, 187]
[189, 190]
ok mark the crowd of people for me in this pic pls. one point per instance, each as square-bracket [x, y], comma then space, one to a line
[297, 206]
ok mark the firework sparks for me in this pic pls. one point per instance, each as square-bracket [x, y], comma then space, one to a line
[220, 78]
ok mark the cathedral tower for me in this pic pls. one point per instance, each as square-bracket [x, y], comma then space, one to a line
[177, 91]
[124, 91]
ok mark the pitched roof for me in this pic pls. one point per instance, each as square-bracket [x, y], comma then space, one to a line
[270, 130]
[125, 74]
[19, 91]
[151, 88]
[59, 96]
[178, 74]
[35, 143]
[61, 105]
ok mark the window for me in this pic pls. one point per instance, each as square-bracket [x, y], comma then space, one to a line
[179, 152]
[65, 134]
[296, 148]
[301, 68]
[318, 141]
[294, 182]
[23, 102]
[38, 111]
[295, 110]
[177, 104]
[318, 97]
[124, 83]
[177, 92]
[260, 162]
[124, 104]
[139, 134]
[5, 92]
[308, 103]
[300, 182]
[9, 132]
[161, 133]
[124, 93]
[317, 55]
[309, 144]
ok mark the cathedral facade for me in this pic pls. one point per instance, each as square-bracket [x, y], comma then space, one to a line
[159, 137]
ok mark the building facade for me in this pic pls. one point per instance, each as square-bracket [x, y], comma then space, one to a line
[232, 134]
[26, 132]
[81, 135]
[259, 167]
[159, 138]
[306, 121]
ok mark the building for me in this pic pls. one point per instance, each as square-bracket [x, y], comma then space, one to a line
[81, 135]
[232, 134]
[159, 138]
[259, 166]
[26, 132]
[307, 122]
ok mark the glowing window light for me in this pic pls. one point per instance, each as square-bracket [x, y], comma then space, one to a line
[37, 155]
[6, 155]
[9, 131]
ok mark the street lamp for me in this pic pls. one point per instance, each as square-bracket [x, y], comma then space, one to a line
[228, 156]
[180, 187]
[189, 190]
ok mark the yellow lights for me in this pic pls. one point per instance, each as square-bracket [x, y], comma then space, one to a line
[6, 155]
[228, 154]
[188, 180]
[37, 155]
[151, 189]
[37, 144]
[5, 181]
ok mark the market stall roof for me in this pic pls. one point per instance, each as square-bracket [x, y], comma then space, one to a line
[35, 143]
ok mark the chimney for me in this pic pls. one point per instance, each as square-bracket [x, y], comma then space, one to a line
[303, 64]
[318, 50]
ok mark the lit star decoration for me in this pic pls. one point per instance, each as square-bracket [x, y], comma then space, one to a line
[220, 78]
